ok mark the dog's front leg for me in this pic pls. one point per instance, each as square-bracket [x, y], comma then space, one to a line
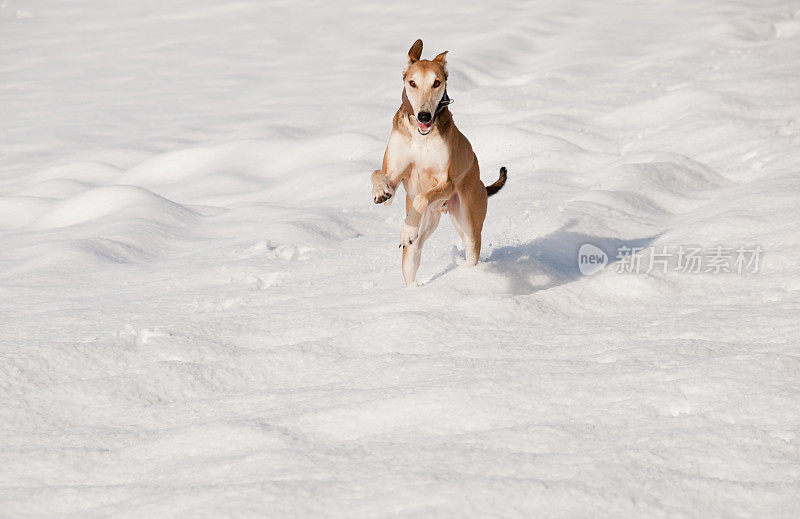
[396, 165]
[410, 230]
[382, 187]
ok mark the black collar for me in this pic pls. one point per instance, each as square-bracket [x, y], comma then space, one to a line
[443, 103]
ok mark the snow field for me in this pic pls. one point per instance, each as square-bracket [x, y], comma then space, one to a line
[202, 311]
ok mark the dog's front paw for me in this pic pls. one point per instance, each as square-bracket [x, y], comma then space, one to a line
[408, 235]
[382, 193]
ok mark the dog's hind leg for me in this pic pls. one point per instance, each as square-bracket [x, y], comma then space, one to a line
[413, 253]
[467, 215]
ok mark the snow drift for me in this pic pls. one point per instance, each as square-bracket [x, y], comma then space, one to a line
[202, 310]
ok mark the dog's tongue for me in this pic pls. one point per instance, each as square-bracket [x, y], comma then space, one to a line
[424, 127]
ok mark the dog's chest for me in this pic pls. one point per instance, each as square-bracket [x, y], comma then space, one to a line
[429, 157]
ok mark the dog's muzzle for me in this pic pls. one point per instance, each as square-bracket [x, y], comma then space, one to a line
[424, 122]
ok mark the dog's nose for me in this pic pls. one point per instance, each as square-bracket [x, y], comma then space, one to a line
[424, 117]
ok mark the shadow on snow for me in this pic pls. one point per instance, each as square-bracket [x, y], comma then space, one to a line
[551, 260]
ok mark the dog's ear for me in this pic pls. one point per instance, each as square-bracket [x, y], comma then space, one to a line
[441, 59]
[415, 52]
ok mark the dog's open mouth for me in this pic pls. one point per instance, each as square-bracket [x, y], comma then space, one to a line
[424, 128]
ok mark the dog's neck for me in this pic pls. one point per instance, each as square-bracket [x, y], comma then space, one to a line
[407, 104]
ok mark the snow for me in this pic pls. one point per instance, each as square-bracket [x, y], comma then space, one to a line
[203, 312]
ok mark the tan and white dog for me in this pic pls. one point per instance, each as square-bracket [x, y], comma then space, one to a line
[435, 163]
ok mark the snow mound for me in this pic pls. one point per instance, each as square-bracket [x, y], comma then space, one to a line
[109, 202]
[18, 211]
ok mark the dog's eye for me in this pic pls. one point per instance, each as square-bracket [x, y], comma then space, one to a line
[436, 83]
[413, 85]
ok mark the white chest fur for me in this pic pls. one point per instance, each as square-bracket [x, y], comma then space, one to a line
[425, 157]
[429, 156]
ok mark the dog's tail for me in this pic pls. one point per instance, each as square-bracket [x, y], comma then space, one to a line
[498, 185]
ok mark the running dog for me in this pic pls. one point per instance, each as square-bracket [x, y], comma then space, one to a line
[435, 163]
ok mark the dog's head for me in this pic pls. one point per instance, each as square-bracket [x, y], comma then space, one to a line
[425, 82]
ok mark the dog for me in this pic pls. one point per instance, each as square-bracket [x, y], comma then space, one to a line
[435, 163]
